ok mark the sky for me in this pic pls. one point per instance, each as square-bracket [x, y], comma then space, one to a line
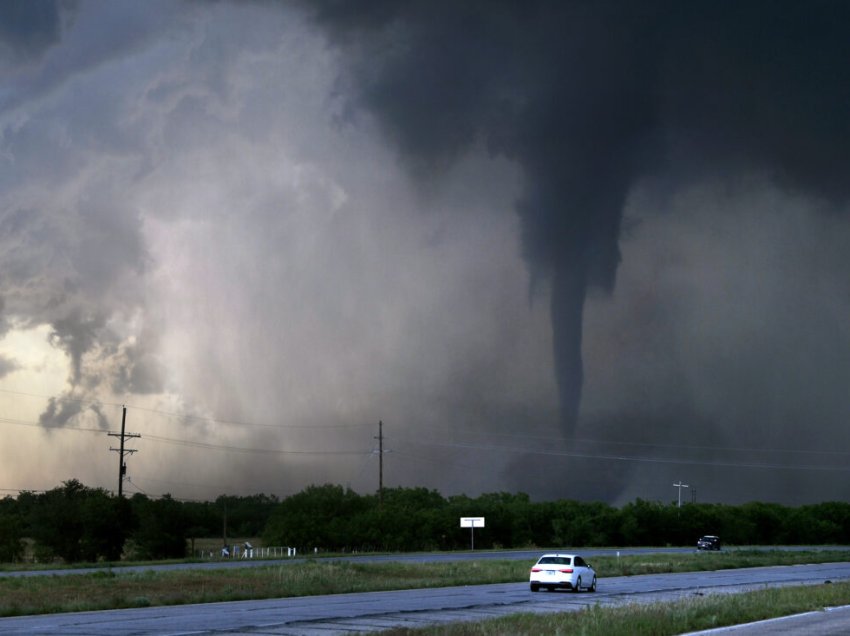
[582, 250]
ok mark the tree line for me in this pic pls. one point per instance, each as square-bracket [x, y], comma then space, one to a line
[407, 519]
[75, 523]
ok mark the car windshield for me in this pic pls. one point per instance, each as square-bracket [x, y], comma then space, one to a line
[555, 560]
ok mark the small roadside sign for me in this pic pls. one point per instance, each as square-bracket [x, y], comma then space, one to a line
[472, 523]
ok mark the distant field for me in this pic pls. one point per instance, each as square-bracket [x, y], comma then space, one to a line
[197, 548]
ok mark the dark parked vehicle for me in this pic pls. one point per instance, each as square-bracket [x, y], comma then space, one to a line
[708, 542]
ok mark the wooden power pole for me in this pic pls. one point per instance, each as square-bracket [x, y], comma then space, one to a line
[380, 439]
[122, 452]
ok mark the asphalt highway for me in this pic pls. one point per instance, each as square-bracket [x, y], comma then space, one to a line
[370, 612]
[833, 621]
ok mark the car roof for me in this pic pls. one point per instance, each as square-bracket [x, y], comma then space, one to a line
[558, 554]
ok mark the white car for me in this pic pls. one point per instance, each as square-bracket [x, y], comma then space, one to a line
[568, 571]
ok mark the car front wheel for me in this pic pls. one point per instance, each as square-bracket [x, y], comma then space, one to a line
[593, 585]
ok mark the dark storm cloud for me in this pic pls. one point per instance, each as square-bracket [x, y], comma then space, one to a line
[200, 209]
[590, 97]
[28, 28]
[59, 412]
[65, 411]
[89, 34]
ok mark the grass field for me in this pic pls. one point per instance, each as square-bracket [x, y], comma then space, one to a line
[657, 619]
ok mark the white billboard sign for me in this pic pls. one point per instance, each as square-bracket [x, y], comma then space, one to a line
[472, 522]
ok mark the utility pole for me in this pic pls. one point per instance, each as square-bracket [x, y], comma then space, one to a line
[680, 485]
[224, 525]
[122, 466]
[380, 439]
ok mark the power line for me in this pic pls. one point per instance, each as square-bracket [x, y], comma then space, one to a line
[625, 458]
[20, 490]
[604, 456]
[212, 420]
[489, 434]
[464, 446]
[239, 449]
[184, 442]
[39, 425]
[135, 485]
[554, 438]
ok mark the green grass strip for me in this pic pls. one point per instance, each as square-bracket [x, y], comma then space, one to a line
[656, 619]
